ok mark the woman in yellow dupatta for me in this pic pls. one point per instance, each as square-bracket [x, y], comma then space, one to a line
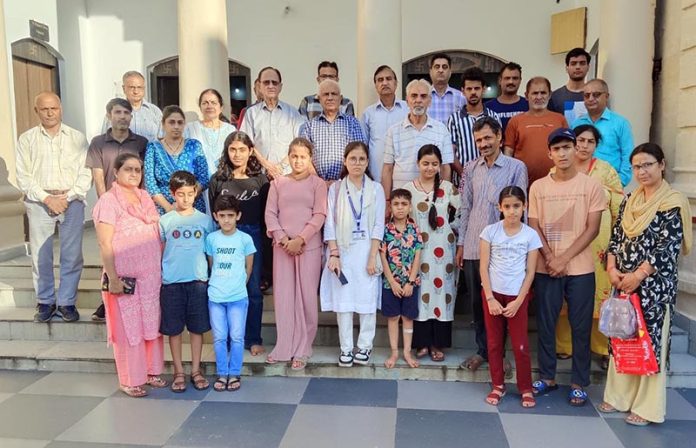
[588, 138]
[653, 228]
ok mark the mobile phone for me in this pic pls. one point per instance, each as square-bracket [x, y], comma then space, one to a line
[128, 284]
[341, 278]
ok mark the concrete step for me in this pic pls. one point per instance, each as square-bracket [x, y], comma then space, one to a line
[18, 324]
[96, 357]
[12, 270]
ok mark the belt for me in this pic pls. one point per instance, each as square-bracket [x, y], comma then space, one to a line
[56, 192]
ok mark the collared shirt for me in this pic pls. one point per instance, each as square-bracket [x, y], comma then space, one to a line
[403, 142]
[311, 108]
[52, 163]
[104, 149]
[376, 121]
[146, 121]
[272, 130]
[460, 125]
[330, 140]
[480, 189]
[441, 107]
[616, 144]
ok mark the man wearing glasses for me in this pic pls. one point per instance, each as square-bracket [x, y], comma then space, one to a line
[616, 143]
[310, 106]
[272, 124]
[146, 117]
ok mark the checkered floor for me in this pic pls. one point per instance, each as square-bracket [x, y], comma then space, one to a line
[40, 409]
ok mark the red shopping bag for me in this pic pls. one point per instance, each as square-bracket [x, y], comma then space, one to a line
[635, 356]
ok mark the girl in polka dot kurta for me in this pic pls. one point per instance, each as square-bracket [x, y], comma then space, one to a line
[434, 202]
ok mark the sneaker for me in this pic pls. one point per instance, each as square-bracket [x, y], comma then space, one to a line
[68, 313]
[362, 357]
[100, 314]
[44, 312]
[345, 360]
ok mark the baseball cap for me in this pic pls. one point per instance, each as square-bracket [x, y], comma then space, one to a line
[561, 134]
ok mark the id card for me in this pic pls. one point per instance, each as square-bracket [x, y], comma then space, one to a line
[359, 235]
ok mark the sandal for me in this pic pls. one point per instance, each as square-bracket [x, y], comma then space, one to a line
[472, 363]
[563, 356]
[178, 386]
[541, 387]
[577, 397]
[270, 360]
[606, 408]
[422, 352]
[257, 349]
[497, 394]
[234, 384]
[528, 400]
[155, 381]
[133, 391]
[299, 363]
[636, 420]
[198, 380]
[220, 384]
[437, 355]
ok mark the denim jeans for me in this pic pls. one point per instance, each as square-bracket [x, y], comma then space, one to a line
[253, 322]
[228, 322]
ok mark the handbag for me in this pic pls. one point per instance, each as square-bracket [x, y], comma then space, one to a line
[617, 317]
[635, 356]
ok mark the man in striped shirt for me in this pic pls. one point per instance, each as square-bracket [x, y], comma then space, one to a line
[460, 123]
[483, 180]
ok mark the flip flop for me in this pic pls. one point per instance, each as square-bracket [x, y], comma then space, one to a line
[231, 384]
[606, 408]
[437, 355]
[577, 397]
[631, 420]
[472, 363]
[541, 387]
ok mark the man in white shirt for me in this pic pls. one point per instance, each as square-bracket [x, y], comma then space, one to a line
[147, 118]
[52, 175]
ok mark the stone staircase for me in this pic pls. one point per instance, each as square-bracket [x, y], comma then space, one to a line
[81, 346]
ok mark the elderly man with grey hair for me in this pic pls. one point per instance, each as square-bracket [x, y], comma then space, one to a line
[330, 132]
[147, 118]
[404, 139]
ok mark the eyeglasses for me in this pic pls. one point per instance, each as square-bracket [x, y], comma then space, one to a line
[270, 82]
[356, 160]
[594, 95]
[643, 166]
[136, 88]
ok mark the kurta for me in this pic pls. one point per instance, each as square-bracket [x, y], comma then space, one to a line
[296, 208]
[437, 290]
[363, 292]
[659, 245]
[211, 140]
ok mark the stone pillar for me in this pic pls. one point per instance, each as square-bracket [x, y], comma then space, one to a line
[379, 42]
[11, 207]
[684, 164]
[626, 50]
[202, 52]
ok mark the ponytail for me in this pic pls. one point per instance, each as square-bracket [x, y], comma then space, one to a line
[432, 213]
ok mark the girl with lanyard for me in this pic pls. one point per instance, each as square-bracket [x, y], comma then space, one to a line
[353, 231]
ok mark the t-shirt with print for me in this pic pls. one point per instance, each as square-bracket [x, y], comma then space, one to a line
[508, 259]
[562, 209]
[183, 236]
[400, 249]
[251, 192]
[228, 275]
[567, 103]
[506, 111]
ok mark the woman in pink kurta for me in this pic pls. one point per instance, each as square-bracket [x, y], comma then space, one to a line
[295, 213]
[127, 227]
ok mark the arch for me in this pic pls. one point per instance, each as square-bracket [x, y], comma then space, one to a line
[164, 83]
[419, 67]
[35, 68]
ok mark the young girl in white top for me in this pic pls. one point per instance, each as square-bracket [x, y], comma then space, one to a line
[509, 250]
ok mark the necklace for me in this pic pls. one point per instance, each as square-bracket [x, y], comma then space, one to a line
[422, 188]
[173, 151]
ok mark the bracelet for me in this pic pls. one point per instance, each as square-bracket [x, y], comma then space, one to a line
[644, 272]
[335, 256]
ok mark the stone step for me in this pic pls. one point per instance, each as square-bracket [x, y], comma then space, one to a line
[11, 270]
[17, 324]
[96, 357]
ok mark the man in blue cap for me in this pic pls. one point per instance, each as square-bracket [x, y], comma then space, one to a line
[565, 208]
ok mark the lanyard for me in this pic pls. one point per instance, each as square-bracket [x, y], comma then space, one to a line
[357, 216]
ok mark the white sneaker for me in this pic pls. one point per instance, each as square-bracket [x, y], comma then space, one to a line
[345, 360]
[362, 357]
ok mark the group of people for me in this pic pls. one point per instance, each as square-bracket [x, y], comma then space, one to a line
[378, 213]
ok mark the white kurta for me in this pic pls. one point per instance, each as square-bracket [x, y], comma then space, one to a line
[363, 293]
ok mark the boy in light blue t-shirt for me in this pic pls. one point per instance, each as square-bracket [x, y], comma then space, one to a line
[231, 257]
[184, 295]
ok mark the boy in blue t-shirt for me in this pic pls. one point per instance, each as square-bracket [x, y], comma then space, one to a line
[184, 295]
[230, 255]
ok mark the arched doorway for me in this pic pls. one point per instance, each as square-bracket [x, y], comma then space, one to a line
[35, 69]
[419, 67]
[164, 83]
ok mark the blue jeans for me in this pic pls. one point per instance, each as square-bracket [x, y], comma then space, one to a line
[253, 322]
[227, 320]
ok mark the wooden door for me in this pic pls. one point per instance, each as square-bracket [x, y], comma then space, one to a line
[30, 79]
